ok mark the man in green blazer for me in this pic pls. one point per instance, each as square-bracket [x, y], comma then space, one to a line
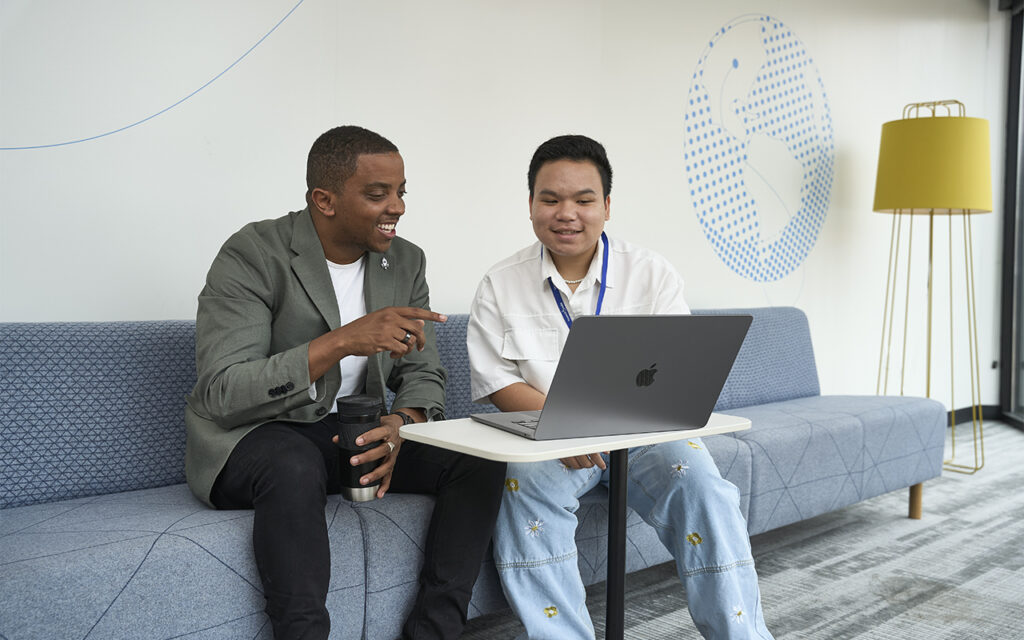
[299, 311]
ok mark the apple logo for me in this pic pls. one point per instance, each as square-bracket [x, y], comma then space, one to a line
[646, 376]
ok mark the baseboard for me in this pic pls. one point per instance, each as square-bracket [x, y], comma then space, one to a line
[1013, 421]
[965, 414]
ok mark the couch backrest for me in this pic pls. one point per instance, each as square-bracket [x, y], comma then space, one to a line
[451, 344]
[776, 361]
[92, 408]
[98, 407]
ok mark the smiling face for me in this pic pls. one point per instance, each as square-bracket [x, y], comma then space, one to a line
[363, 215]
[568, 210]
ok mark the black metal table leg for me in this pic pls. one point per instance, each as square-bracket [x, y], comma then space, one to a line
[616, 581]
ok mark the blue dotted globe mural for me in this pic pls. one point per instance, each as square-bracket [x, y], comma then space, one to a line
[759, 148]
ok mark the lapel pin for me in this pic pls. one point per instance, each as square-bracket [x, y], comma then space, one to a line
[384, 263]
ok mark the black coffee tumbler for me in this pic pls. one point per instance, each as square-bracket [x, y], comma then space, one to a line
[357, 414]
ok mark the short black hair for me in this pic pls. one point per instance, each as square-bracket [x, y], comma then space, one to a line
[333, 157]
[572, 147]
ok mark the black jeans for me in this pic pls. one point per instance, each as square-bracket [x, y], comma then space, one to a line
[284, 472]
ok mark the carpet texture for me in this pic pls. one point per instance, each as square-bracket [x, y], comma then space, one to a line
[867, 572]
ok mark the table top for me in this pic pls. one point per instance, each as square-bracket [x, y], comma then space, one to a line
[466, 435]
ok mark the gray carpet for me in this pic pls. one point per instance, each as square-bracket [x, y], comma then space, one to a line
[867, 572]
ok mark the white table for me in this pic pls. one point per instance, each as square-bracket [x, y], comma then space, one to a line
[465, 435]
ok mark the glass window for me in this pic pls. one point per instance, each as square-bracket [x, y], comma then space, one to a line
[1017, 399]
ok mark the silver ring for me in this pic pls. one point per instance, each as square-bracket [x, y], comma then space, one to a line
[405, 340]
[391, 446]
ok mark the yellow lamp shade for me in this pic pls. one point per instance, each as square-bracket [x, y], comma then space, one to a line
[934, 165]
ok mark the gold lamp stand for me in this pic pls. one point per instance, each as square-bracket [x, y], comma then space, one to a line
[934, 162]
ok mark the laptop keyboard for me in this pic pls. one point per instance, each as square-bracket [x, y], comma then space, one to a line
[527, 423]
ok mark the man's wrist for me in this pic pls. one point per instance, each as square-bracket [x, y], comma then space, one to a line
[406, 418]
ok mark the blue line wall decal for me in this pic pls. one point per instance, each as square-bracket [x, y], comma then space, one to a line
[165, 109]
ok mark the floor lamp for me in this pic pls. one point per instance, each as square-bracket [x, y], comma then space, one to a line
[934, 162]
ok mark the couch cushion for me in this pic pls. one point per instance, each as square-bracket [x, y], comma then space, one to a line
[394, 530]
[776, 361]
[103, 567]
[92, 407]
[816, 454]
[734, 460]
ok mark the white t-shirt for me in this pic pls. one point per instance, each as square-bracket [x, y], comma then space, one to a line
[516, 331]
[348, 288]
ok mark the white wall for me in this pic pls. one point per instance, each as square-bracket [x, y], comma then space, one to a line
[125, 226]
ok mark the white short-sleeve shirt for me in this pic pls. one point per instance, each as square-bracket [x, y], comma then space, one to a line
[516, 331]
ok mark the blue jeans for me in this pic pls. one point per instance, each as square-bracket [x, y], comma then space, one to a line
[677, 489]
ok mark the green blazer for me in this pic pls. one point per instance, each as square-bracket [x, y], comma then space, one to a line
[267, 295]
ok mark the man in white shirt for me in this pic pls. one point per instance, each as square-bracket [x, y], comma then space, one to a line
[518, 325]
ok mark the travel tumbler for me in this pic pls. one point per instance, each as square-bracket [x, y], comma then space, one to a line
[357, 414]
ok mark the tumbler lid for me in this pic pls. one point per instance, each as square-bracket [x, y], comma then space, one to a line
[359, 405]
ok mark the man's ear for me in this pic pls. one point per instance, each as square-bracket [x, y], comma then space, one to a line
[607, 207]
[323, 201]
[529, 206]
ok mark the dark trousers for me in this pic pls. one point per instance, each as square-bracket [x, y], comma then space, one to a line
[284, 472]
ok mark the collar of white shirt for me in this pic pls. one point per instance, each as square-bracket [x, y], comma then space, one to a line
[547, 270]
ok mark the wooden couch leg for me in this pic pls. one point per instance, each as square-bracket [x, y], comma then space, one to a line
[916, 492]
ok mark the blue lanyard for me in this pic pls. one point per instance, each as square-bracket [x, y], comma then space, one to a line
[600, 296]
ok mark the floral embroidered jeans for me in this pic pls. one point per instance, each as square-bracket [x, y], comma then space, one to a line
[677, 489]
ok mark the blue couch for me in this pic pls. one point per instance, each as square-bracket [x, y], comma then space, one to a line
[100, 538]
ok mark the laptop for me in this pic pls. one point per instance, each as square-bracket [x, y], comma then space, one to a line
[633, 374]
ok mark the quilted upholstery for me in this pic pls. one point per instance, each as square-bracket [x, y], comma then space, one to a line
[154, 563]
[817, 454]
[92, 408]
[99, 538]
[776, 361]
[451, 343]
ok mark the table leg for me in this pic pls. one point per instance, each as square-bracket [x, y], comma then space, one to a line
[616, 581]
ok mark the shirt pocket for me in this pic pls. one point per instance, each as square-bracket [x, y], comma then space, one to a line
[530, 344]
